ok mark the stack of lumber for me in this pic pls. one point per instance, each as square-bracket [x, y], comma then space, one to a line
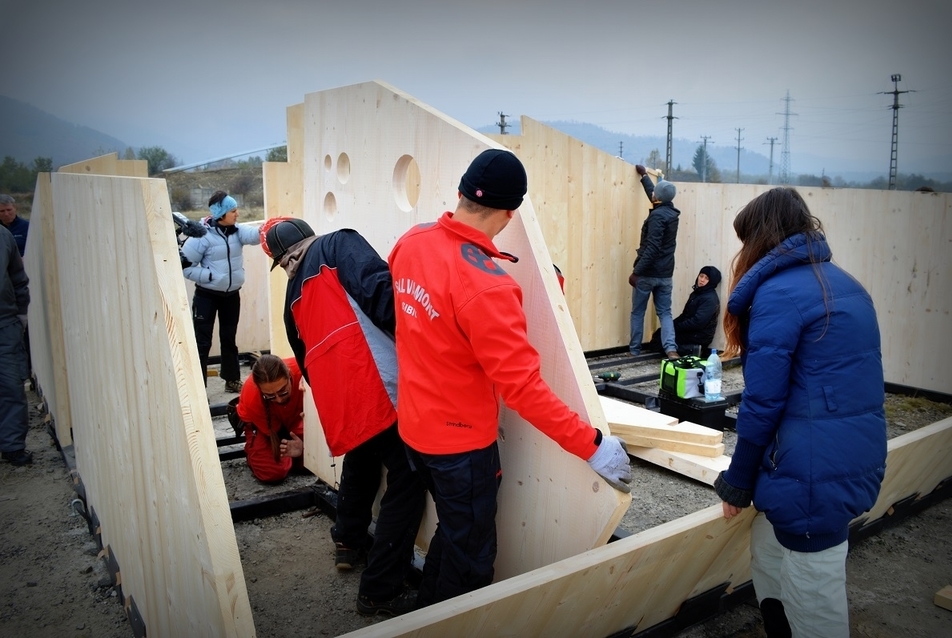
[690, 449]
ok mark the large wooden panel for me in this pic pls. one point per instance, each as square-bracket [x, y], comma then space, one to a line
[590, 206]
[639, 581]
[379, 161]
[47, 354]
[108, 164]
[895, 242]
[144, 443]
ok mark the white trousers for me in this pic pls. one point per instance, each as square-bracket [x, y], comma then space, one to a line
[811, 585]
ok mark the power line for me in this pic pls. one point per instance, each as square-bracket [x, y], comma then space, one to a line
[894, 151]
[785, 149]
[502, 123]
[771, 141]
[704, 162]
[738, 153]
[669, 151]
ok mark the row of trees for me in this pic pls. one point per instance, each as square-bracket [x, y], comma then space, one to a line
[17, 177]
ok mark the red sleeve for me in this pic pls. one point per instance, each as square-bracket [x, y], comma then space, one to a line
[496, 325]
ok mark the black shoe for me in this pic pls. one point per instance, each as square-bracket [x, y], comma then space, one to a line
[20, 457]
[399, 604]
[233, 386]
[346, 558]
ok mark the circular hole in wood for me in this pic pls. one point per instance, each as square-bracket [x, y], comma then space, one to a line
[406, 183]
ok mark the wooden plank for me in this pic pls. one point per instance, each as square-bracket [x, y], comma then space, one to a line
[47, 351]
[700, 468]
[355, 138]
[637, 421]
[143, 436]
[637, 440]
[639, 581]
[943, 597]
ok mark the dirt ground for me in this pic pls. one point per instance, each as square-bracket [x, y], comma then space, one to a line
[53, 584]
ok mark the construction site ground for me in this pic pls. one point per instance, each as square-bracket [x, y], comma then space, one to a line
[52, 582]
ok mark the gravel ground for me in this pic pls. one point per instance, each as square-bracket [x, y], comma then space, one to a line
[53, 584]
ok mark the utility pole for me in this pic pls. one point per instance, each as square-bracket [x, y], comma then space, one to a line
[894, 153]
[704, 163]
[785, 150]
[502, 123]
[738, 153]
[620, 145]
[669, 151]
[771, 141]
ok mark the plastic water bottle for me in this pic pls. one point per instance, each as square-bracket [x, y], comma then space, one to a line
[712, 378]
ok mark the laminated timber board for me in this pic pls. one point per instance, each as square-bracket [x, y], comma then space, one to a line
[108, 164]
[590, 207]
[379, 161]
[47, 350]
[639, 581]
[143, 438]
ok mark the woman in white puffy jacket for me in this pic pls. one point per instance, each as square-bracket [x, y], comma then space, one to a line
[218, 272]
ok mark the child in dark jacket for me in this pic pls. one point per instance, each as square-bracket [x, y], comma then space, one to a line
[694, 328]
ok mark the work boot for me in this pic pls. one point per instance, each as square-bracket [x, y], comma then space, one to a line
[400, 604]
[19, 458]
[346, 558]
[775, 619]
[233, 386]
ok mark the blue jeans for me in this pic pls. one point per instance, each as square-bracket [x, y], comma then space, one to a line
[14, 411]
[660, 289]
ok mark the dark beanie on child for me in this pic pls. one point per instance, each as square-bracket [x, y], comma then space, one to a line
[495, 179]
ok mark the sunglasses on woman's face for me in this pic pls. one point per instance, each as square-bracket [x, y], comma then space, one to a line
[280, 394]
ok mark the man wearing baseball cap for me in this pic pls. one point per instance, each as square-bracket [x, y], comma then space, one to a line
[461, 347]
[339, 319]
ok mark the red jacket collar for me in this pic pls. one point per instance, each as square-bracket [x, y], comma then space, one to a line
[471, 235]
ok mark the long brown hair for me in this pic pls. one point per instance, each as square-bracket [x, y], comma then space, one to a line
[762, 225]
[268, 369]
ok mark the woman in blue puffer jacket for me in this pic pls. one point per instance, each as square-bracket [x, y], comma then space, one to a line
[811, 430]
[218, 272]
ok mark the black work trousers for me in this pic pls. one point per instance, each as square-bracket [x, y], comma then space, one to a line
[464, 487]
[205, 306]
[401, 508]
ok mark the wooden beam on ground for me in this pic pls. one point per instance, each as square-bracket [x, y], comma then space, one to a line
[641, 428]
[943, 597]
[700, 468]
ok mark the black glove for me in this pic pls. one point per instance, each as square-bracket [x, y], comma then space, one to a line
[641, 169]
[185, 262]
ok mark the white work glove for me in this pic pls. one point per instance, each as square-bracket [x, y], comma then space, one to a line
[611, 462]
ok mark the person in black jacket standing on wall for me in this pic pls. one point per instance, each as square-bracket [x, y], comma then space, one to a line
[694, 328]
[654, 266]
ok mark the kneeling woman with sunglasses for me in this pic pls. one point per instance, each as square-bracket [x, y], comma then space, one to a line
[271, 405]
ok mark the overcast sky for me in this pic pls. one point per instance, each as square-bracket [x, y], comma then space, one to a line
[207, 78]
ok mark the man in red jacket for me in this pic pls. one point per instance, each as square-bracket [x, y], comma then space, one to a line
[461, 347]
[339, 319]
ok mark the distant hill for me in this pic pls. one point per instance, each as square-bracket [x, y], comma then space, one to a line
[26, 133]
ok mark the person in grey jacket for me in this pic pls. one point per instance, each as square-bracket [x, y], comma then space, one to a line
[14, 299]
[653, 269]
[218, 272]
